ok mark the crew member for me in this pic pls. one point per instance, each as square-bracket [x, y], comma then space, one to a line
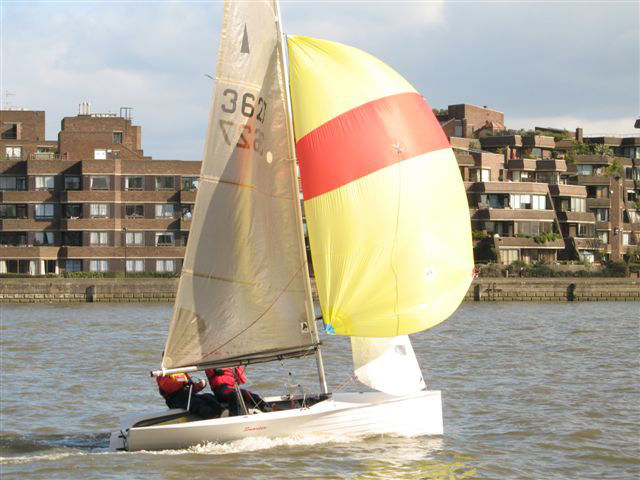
[223, 382]
[176, 389]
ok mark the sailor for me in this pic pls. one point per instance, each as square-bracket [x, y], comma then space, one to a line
[223, 383]
[178, 387]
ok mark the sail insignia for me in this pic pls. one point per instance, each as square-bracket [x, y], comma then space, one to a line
[245, 41]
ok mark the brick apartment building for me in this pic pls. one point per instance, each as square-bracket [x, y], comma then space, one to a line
[521, 189]
[90, 201]
[93, 202]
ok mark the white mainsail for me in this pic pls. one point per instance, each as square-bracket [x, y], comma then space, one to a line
[243, 293]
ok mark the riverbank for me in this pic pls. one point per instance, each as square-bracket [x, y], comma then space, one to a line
[61, 290]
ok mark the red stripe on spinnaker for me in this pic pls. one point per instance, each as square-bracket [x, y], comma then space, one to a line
[365, 140]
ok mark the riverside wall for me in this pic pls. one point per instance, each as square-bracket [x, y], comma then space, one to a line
[62, 290]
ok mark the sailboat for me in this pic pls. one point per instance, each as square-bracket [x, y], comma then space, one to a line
[386, 217]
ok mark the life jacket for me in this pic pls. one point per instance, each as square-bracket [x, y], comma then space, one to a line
[169, 384]
[226, 376]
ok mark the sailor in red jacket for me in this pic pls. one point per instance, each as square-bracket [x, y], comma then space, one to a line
[223, 382]
[177, 387]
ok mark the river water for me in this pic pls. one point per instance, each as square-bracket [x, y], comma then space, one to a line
[541, 391]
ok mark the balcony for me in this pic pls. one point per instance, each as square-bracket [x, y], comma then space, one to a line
[527, 164]
[47, 167]
[27, 224]
[577, 217]
[593, 180]
[598, 203]
[147, 196]
[158, 224]
[88, 196]
[29, 252]
[551, 165]
[188, 196]
[24, 196]
[509, 214]
[588, 243]
[509, 187]
[87, 224]
[568, 191]
[530, 243]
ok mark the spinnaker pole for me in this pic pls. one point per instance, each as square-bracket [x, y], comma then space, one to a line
[284, 64]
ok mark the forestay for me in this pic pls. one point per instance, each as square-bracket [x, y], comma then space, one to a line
[242, 290]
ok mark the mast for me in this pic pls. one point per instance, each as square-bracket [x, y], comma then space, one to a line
[311, 321]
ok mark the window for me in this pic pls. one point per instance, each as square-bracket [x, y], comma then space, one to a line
[117, 137]
[189, 184]
[72, 210]
[44, 238]
[45, 182]
[625, 238]
[135, 266]
[164, 183]
[585, 230]
[13, 183]
[486, 175]
[602, 214]
[578, 204]
[8, 210]
[535, 202]
[133, 183]
[99, 238]
[13, 152]
[72, 182]
[99, 182]
[134, 211]
[584, 169]
[165, 238]
[44, 210]
[604, 236]
[100, 154]
[72, 239]
[99, 210]
[9, 131]
[164, 266]
[15, 239]
[99, 265]
[164, 210]
[134, 238]
[73, 265]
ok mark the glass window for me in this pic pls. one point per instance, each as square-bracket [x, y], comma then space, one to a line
[164, 183]
[44, 210]
[133, 183]
[99, 238]
[165, 238]
[8, 210]
[117, 137]
[99, 154]
[132, 211]
[584, 169]
[99, 210]
[45, 182]
[604, 236]
[602, 214]
[163, 266]
[72, 182]
[72, 210]
[625, 238]
[99, 182]
[189, 183]
[135, 266]
[99, 265]
[578, 204]
[13, 152]
[486, 175]
[13, 183]
[164, 210]
[134, 238]
[44, 238]
[73, 265]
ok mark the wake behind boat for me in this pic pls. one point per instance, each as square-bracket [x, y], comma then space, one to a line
[390, 258]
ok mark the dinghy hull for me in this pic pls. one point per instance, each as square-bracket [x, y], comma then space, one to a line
[355, 414]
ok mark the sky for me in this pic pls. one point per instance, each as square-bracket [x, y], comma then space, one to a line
[562, 64]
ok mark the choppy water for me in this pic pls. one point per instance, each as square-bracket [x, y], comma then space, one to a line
[544, 391]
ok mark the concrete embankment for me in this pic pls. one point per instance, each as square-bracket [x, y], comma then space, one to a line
[59, 290]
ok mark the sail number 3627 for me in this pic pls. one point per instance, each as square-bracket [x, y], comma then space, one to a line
[250, 136]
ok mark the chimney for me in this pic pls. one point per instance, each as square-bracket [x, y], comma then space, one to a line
[579, 135]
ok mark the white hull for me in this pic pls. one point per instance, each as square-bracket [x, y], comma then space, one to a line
[358, 414]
